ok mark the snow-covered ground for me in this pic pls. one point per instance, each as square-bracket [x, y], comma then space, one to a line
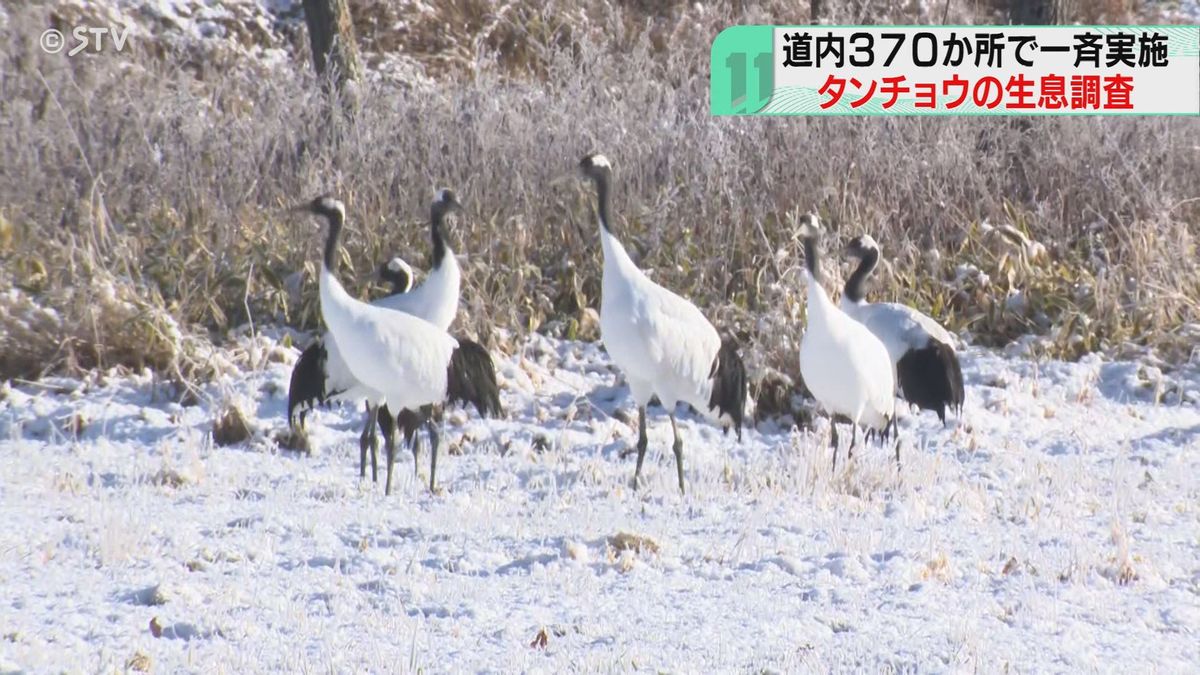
[1057, 528]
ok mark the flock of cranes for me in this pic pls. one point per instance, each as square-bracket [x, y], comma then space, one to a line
[396, 355]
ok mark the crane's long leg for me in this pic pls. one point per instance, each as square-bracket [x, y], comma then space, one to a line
[415, 445]
[896, 432]
[368, 440]
[433, 449]
[678, 448]
[374, 462]
[375, 447]
[641, 445]
[390, 443]
[853, 440]
[833, 441]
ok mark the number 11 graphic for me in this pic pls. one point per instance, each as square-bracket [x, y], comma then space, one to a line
[736, 63]
[742, 70]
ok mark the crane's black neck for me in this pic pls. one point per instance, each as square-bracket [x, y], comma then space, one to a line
[602, 202]
[397, 278]
[866, 265]
[331, 241]
[812, 257]
[437, 217]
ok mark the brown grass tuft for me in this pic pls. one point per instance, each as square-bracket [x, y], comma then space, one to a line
[139, 662]
[625, 541]
[230, 427]
[295, 440]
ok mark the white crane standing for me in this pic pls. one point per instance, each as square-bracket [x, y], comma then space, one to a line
[321, 374]
[922, 352]
[843, 364]
[410, 362]
[660, 341]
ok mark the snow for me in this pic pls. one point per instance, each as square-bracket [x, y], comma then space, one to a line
[1057, 527]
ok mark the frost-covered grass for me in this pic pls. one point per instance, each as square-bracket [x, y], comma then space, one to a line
[1055, 528]
[160, 175]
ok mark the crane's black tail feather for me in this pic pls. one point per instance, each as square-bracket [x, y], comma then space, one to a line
[931, 378]
[471, 378]
[410, 422]
[729, 389]
[307, 387]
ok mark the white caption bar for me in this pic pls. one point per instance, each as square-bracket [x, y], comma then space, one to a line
[1007, 70]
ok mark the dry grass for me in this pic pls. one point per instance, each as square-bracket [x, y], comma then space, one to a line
[230, 426]
[624, 541]
[141, 197]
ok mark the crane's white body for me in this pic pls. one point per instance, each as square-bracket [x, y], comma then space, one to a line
[899, 327]
[847, 369]
[923, 354]
[661, 342]
[435, 300]
[395, 358]
[401, 357]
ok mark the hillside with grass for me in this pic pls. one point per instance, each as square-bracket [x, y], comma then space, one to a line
[143, 193]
